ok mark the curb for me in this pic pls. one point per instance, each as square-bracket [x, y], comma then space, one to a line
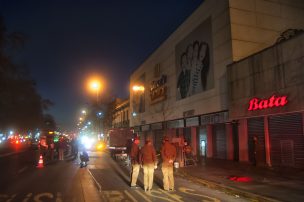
[222, 187]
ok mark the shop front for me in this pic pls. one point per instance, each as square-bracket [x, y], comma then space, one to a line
[267, 103]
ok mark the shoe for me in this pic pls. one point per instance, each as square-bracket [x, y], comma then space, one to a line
[171, 189]
[134, 187]
[166, 189]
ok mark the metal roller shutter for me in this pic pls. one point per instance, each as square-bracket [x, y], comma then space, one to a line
[219, 142]
[158, 137]
[256, 128]
[287, 140]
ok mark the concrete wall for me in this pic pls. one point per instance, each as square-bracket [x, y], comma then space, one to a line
[277, 70]
[256, 24]
[206, 102]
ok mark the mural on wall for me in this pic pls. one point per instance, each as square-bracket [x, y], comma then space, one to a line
[194, 70]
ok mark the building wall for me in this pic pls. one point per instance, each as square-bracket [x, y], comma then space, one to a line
[277, 70]
[270, 130]
[215, 97]
[256, 24]
[121, 115]
[233, 29]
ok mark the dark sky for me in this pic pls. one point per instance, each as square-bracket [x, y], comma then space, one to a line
[69, 39]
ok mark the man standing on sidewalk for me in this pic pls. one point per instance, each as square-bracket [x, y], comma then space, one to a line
[134, 155]
[149, 163]
[168, 153]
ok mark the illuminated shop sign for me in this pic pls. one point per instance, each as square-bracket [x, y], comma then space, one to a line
[273, 101]
[158, 90]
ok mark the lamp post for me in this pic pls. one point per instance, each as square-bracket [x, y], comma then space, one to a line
[95, 85]
[139, 91]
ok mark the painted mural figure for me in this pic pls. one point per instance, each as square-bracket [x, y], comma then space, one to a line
[204, 60]
[183, 81]
[195, 66]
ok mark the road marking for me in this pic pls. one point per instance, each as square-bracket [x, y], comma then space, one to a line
[13, 196]
[28, 196]
[174, 196]
[142, 195]
[38, 196]
[114, 195]
[159, 197]
[186, 190]
[99, 186]
[59, 197]
[22, 169]
[130, 196]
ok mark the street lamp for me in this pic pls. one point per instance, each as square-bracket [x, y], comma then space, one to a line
[95, 86]
[138, 100]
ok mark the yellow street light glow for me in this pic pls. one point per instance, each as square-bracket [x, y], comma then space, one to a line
[138, 88]
[80, 119]
[95, 85]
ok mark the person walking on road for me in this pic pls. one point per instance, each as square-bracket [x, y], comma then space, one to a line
[134, 155]
[168, 154]
[149, 163]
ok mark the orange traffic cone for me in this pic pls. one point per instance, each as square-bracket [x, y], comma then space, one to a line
[40, 162]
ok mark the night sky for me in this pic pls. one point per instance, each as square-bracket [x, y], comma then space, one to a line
[69, 39]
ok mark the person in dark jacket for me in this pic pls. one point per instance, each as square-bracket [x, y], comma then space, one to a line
[168, 154]
[134, 155]
[148, 161]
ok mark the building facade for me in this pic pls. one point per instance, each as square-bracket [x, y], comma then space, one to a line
[121, 115]
[185, 92]
[267, 102]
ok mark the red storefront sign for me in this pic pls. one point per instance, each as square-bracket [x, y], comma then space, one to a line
[273, 101]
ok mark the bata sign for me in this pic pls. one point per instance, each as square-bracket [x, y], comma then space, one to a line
[273, 101]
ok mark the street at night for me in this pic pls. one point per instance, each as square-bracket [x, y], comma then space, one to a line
[102, 180]
[110, 101]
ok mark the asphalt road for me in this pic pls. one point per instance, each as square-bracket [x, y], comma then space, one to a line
[103, 180]
[112, 178]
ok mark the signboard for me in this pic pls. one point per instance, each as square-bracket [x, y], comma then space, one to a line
[176, 124]
[220, 117]
[273, 101]
[157, 126]
[158, 90]
[145, 128]
[136, 129]
[194, 121]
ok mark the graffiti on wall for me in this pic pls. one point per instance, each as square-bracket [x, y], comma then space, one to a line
[193, 62]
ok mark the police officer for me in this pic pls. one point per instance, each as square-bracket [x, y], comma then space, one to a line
[149, 163]
[134, 155]
[168, 154]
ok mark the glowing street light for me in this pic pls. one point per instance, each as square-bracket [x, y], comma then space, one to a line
[137, 88]
[95, 85]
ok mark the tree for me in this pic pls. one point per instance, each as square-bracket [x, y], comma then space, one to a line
[21, 106]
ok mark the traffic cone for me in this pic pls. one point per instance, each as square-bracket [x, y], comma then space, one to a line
[40, 162]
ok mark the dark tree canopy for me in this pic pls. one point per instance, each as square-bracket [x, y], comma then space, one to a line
[21, 107]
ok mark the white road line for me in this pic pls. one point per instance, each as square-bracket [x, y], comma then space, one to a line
[130, 196]
[99, 186]
[12, 153]
[174, 196]
[142, 195]
[22, 169]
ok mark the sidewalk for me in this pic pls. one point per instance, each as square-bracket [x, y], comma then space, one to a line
[257, 183]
